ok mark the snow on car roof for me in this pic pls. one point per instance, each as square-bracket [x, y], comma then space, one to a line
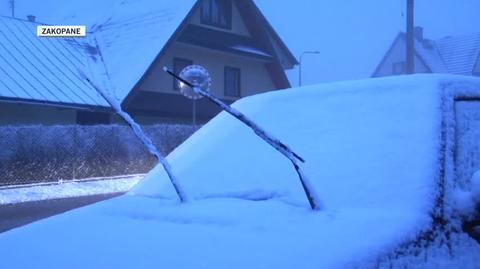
[43, 69]
[372, 150]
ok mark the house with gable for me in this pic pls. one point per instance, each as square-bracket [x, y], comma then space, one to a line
[39, 81]
[124, 52]
[459, 55]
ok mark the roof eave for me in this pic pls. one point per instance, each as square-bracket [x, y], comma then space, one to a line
[17, 100]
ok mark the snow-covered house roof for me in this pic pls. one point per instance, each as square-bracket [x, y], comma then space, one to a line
[459, 53]
[43, 70]
[456, 55]
[133, 35]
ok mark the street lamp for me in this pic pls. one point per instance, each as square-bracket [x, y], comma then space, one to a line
[199, 76]
[300, 66]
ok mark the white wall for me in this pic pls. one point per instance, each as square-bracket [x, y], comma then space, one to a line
[397, 54]
[254, 75]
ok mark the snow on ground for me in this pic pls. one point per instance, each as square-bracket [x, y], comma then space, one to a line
[372, 150]
[67, 189]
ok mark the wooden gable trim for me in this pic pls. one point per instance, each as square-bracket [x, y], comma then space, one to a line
[253, 18]
[257, 15]
[17, 100]
[278, 75]
[222, 41]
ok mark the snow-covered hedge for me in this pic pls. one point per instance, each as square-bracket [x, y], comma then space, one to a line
[38, 153]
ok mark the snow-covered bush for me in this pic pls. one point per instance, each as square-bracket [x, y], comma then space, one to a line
[38, 153]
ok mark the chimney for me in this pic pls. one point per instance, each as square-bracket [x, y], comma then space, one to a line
[31, 18]
[418, 33]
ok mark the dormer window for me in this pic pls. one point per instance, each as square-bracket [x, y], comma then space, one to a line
[217, 13]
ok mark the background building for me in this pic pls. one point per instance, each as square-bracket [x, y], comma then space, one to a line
[124, 52]
[457, 55]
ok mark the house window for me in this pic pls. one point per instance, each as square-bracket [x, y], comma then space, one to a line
[217, 13]
[178, 65]
[92, 118]
[232, 81]
[399, 68]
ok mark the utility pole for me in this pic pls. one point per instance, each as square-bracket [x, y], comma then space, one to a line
[12, 6]
[410, 47]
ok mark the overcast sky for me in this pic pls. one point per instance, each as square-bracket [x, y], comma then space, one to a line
[351, 35]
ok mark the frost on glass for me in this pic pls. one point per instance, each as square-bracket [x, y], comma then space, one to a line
[467, 153]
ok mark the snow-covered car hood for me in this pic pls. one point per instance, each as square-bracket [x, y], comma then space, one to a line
[374, 152]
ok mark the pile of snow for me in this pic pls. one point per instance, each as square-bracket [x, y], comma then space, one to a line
[67, 189]
[373, 153]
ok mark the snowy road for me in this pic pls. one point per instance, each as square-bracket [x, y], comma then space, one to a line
[25, 204]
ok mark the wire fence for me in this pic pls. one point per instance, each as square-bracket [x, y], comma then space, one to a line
[35, 153]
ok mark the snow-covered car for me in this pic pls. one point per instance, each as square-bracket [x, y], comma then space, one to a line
[394, 161]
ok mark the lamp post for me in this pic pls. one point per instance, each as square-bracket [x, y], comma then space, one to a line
[300, 64]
